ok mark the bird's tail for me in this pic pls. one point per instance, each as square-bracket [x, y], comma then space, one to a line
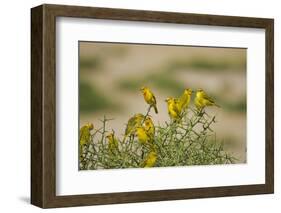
[217, 105]
[155, 109]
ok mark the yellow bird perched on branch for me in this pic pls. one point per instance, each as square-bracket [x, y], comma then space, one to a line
[85, 137]
[185, 99]
[142, 135]
[149, 98]
[150, 160]
[202, 100]
[112, 142]
[173, 108]
[133, 123]
[85, 134]
[149, 128]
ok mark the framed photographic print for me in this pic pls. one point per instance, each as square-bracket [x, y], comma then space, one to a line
[136, 106]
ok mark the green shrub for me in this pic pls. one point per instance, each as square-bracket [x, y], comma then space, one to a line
[188, 141]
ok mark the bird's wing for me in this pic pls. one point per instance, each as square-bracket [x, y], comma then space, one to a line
[130, 125]
[177, 105]
[205, 96]
[182, 99]
[175, 108]
[82, 132]
[153, 98]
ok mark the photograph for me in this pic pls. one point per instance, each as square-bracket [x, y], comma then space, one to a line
[140, 105]
[152, 105]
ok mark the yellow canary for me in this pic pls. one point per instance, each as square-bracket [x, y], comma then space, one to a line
[150, 160]
[173, 108]
[202, 100]
[149, 127]
[185, 99]
[85, 134]
[149, 98]
[85, 137]
[142, 135]
[133, 123]
[112, 142]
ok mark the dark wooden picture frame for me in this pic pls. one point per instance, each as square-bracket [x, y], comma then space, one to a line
[43, 105]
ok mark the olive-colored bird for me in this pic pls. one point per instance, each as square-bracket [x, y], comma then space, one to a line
[149, 98]
[173, 108]
[85, 134]
[149, 128]
[150, 160]
[85, 137]
[142, 135]
[185, 99]
[202, 100]
[112, 142]
[133, 123]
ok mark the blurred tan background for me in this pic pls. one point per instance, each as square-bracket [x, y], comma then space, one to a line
[111, 75]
